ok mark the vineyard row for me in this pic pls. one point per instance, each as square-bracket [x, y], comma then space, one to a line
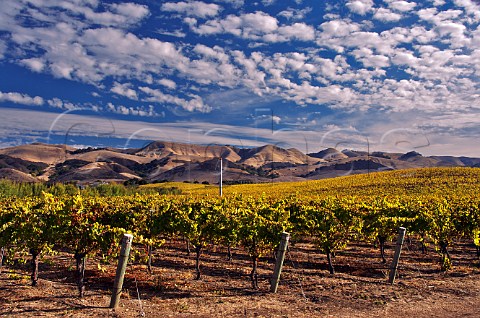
[86, 225]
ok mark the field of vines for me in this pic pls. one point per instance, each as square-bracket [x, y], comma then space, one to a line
[439, 207]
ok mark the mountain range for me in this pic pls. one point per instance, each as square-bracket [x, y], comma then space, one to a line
[168, 161]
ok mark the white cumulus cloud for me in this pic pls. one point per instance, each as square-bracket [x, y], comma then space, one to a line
[192, 8]
[194, 104]
[259, 26]
[131, 10]
[386, 15]
[402, 6]
[167, 83]
[361, 7]
[34, 64]
[295, 14]
[19, 98]
[124, 90]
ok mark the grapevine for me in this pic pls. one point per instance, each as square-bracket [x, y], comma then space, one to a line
[332, 212]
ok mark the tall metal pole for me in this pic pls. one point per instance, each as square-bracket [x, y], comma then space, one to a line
[221, 177]
[368, 155]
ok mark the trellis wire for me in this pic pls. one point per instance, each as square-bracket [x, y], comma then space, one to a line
[290, 258]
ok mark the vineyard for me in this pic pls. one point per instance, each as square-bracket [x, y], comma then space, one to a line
[440, 208]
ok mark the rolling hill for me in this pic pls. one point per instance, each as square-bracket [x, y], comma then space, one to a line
[168, 161]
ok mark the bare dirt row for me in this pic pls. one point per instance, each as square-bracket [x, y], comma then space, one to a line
[358, 289]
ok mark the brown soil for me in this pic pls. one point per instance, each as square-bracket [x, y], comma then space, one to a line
[358, 289]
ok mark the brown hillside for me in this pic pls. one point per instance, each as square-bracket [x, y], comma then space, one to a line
[258, 157]
[17, 176]
[38, 152]
[169, 161]
[329, 154]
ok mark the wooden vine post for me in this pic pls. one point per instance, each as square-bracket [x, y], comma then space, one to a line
[282, 248]
[122, 266]
[396, 257]
[2, 255]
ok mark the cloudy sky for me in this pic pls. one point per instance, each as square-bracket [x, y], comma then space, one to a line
[388, 75]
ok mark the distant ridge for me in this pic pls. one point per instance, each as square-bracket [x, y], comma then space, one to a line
[329, 154]
[161, 161]
[410, 156]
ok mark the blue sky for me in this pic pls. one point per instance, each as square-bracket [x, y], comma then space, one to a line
[389, 75]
